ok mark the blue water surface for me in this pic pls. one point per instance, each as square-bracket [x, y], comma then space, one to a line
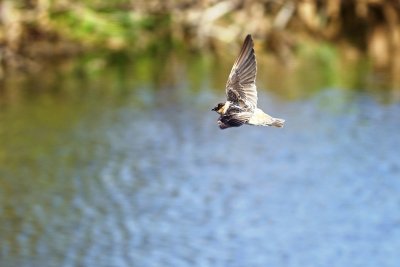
[144, 177]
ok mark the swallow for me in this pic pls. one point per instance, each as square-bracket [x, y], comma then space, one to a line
[241, 93]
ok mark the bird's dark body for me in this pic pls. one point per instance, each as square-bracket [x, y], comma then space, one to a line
[230, 118]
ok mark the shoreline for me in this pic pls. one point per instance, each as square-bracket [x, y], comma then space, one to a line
[38, 32]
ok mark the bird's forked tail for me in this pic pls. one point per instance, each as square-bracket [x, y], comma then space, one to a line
[277, 122]
[262, 119]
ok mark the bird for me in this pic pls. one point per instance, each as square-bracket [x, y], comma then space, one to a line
[241, 93]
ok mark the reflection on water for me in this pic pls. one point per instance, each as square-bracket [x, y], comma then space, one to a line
[128, 168]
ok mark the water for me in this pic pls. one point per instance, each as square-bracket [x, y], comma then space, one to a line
[127, 167]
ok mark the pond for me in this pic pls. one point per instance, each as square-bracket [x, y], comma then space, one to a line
[124, 165]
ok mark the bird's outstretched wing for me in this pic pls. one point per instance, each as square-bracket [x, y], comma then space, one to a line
[241, 87]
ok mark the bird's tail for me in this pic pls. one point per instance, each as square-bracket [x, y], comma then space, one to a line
[262, 119]
[277, 122]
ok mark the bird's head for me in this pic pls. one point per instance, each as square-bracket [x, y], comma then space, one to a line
[218, 108]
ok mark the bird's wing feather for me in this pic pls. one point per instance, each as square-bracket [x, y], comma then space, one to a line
[241, 86]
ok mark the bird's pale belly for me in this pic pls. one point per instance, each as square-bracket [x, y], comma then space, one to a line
[260, 118]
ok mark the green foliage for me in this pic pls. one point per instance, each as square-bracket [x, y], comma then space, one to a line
[111, 29]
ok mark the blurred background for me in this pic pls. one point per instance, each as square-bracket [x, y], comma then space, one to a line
[110, 155]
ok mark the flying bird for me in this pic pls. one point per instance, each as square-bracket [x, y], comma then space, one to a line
[241, 92]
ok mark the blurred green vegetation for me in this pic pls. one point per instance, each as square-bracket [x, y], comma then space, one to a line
[112, 29]
[88, 25]
[36, 32]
